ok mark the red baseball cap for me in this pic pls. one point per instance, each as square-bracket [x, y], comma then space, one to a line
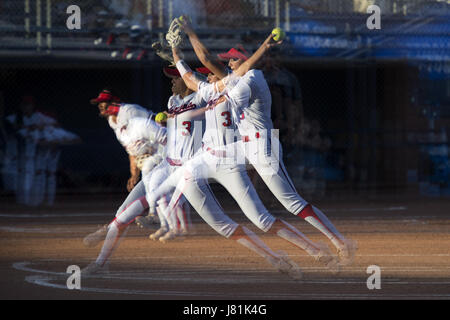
[171, 72]
[104, 96]
[203, 70]
[233, 53]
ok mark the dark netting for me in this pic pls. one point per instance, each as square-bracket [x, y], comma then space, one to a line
[360, 111]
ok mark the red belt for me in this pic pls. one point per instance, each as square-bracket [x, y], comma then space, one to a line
[247, 138]
[218, 153]
[174, 162]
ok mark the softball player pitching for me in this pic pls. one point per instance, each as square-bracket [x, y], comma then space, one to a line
[217, 161]
[181, 145]
[143, 139]
[264, 152]
[183, 125]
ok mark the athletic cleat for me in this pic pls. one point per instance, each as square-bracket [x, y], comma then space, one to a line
[94, 268]
[172, 234]
[347, 252]
[147, 221]
[153, 219]
[93, 239]
[158, 234]
[326, 258]
[183, 233]
[285, 265]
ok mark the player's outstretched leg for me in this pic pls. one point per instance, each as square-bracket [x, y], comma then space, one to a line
[115, 231]
[279, 261]
[93, 239]
[200, 196]
[346, 248]
[273, 172]
[238, 184]
[137, 192]
[319, 251]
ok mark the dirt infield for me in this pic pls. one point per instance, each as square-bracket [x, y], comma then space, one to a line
[409, 241]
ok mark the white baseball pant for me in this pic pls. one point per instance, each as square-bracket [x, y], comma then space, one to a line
[266, 156]
[194, 174]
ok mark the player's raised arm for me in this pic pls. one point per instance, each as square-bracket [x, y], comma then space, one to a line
[249, 63]
[256, 56]
[185, 71]
[200, 50]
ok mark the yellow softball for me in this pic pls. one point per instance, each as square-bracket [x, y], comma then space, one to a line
[278, 34]
[161, 117]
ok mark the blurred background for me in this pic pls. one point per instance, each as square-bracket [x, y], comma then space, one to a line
[362, 113]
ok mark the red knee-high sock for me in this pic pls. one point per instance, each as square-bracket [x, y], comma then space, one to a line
[317, 219]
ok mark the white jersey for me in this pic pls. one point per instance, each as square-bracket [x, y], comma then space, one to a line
[142, 136]
[127, 112]
[251, 98]
[220, 120]
[144, 140]
[184, 131]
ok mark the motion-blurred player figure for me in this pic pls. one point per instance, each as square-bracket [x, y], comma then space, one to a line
[264, 152]
[144, 141]
[118, 114]
[184, 131]
[218, 160]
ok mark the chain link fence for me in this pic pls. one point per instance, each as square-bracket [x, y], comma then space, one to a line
[360, 112]
[107, 24]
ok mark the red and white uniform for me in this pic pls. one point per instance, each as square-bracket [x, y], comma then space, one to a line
[251, 97]
[127, 112]
[220, 121]
[184, 134]
[145, 140]
[140, 137]
[216, 161]
[184, 131]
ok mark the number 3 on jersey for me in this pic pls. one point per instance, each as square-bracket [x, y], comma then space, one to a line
[227, 116]
[187, 126]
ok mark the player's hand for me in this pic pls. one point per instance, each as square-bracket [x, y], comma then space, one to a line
[132, 182]
[269, 43]
[185, 24]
